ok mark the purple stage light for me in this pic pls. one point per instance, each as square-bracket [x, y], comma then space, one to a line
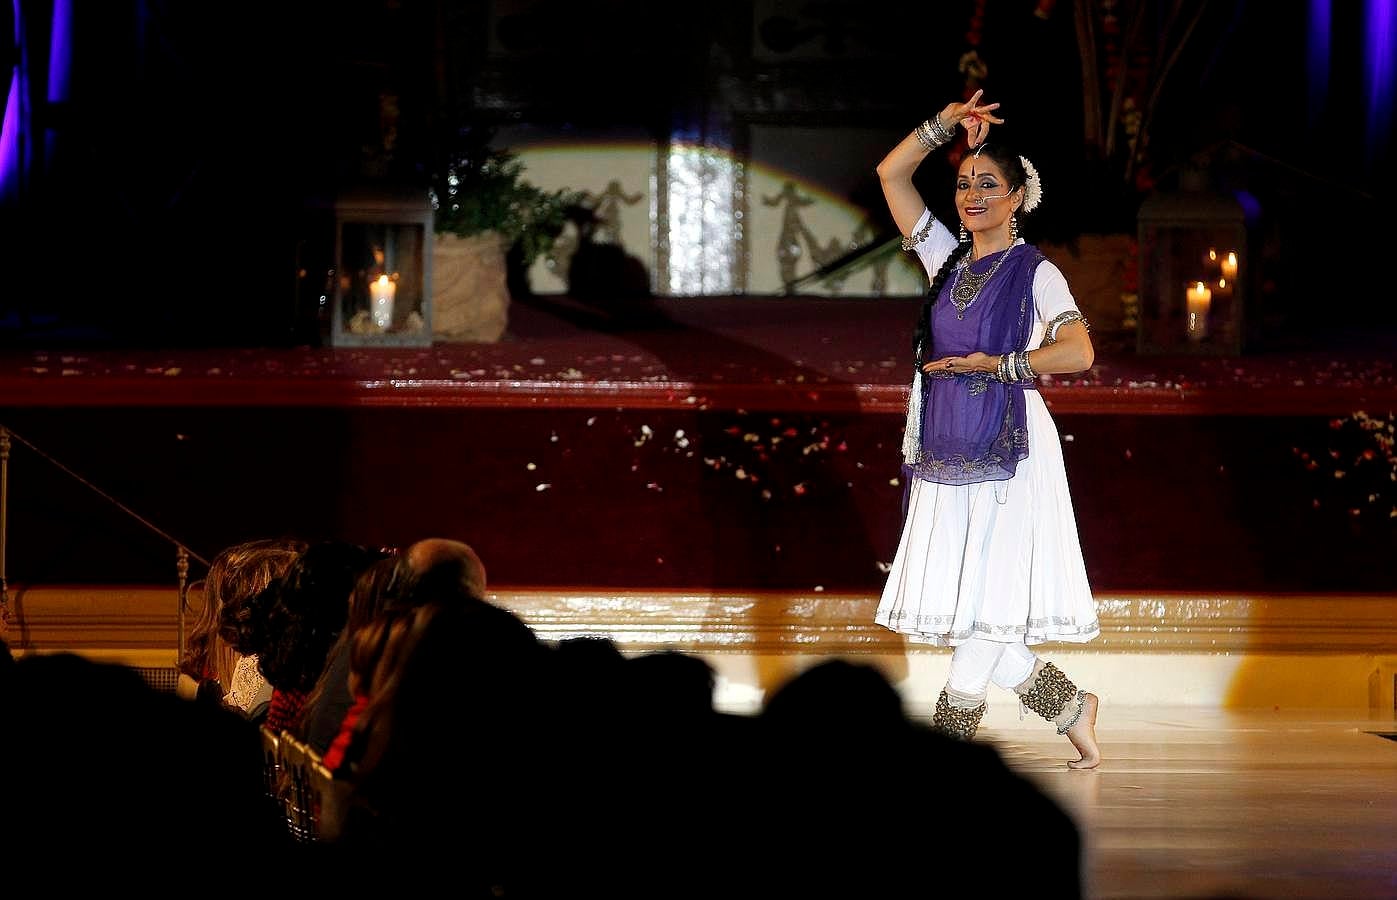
[1378, 71]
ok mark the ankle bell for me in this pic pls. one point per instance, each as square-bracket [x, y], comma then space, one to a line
[1048, 692]
[956, 721]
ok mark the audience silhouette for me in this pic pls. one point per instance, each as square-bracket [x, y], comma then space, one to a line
[441, 767]
[108, 767]
[471, 753]
[836, 738]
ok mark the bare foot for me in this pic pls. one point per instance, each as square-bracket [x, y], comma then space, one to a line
[1083, 736]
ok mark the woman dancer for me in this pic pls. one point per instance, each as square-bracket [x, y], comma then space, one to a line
[988, 561]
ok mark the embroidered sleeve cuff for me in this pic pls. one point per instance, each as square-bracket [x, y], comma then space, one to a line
[1060, 320]
[916, 237]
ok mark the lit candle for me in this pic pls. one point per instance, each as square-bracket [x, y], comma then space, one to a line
[1229, 267]
[382, 291]
[1199, 299]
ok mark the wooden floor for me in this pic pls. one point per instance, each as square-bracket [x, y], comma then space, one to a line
[1203, 802]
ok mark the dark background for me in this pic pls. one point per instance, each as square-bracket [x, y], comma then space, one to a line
[195, 134]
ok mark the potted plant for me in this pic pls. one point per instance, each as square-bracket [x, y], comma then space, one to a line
[487, 217]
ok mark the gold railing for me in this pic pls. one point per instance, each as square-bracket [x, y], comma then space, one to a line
[8, 437]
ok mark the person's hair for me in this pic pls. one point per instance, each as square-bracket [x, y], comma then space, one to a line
[1011, 166]
[235, 575]
[431, 672]
[372, 591]
[923, 329]
[402, 590]
[243, 625]
[309, 606]
[377, 649]
[375, 588]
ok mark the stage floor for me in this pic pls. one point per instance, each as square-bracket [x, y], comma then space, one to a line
[1199, 802]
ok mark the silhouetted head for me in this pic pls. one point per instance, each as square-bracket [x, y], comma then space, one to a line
[838, 700]
[442, 564]
[309, 607]
[114, 769]
[453, 718]
[671, 684]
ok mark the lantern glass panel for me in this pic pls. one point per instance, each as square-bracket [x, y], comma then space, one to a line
[1193, 275]
[383, 269]
[381, 289]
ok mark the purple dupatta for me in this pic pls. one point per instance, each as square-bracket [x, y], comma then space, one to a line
[974, 427]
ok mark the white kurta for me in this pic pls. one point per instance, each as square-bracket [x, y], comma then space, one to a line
[998, 559]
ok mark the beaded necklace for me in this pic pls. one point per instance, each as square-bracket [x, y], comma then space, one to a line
[968, 285]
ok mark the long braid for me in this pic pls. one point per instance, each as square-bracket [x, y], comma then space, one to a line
[911, 437]
[923, 330]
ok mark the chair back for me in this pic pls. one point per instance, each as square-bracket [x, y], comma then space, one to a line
[271, 762]
[308, 790]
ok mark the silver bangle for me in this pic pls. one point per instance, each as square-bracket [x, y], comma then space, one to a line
[946, 134]
[929, 138]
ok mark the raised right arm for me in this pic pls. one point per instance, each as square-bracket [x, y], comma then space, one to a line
[895, 171]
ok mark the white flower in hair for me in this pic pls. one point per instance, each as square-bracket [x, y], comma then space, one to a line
[1033, 186]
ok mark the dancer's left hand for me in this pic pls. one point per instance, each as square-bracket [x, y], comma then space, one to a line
[961, 365]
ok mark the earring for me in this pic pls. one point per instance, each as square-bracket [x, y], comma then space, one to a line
[1013, 227]
[964, 235]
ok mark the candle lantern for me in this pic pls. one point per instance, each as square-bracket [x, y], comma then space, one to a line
[1200, 302]
[1193, 270]
[381, 281]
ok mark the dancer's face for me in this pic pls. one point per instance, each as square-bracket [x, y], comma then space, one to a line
[983, 198]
